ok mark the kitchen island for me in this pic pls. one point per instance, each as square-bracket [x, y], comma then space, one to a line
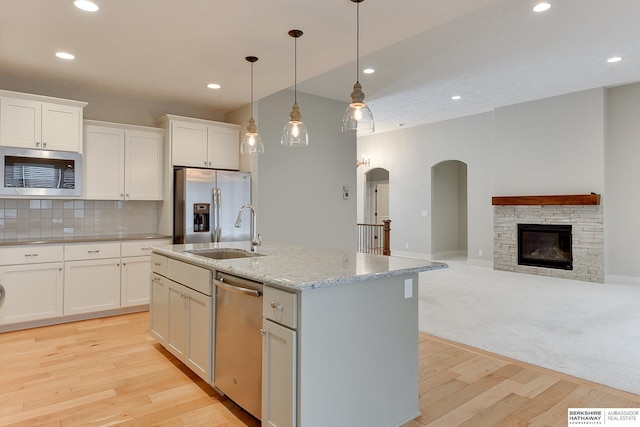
[339, 329]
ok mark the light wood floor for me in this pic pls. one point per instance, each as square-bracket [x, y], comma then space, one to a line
[108, 372]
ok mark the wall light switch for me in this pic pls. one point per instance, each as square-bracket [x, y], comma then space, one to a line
[408, 288]
[424, 213]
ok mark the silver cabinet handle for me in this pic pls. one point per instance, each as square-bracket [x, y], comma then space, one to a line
[277, 306]
[148, 248]
[2, 294]
[31, 255]
[94, 251]
[263, 331]
[44, 144]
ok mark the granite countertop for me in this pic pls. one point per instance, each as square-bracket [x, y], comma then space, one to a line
[80, 239]
[300, 268]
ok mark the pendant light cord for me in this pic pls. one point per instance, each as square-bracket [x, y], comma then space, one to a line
[295, 70]
[251, 105]
[358, 42]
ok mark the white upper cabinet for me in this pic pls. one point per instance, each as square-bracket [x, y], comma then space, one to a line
[41, 123]
[122, 162]
[203, 143]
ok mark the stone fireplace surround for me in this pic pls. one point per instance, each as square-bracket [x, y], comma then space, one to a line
[587, 229]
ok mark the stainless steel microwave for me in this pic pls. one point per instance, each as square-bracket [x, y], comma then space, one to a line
[40, 173]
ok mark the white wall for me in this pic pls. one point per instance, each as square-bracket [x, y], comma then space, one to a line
[409, 154]
[551, 146]
[299, 190]
[622, 185]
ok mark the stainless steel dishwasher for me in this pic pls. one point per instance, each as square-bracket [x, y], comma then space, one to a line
[238, 338]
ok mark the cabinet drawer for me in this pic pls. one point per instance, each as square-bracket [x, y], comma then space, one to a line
[280, 306]
[196, 278]
[92, 251]
[142, 247]
[159, 264]
[30, 254]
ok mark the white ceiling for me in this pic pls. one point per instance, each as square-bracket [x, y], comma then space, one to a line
[491, 52]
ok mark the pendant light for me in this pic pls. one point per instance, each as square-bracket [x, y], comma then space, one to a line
[358, 118]
[252, 143]
[295, 132]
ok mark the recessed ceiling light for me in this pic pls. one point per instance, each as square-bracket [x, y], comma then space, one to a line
[614, 59]
[456, 97]
[368, 71]
[65, 55]
[214, 86]
[86, 5]
[543, 6]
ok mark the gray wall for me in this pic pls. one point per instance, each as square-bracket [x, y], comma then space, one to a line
[298, 191]
[107, 105]
[622, 184]
[571, 144]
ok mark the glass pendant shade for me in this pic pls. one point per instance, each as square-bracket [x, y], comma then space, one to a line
[295, 132]
[251, 143]
[358, 118]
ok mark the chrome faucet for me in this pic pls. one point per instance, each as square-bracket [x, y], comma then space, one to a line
[255, 237]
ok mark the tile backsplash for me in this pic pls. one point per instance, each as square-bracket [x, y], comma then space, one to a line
[34, 218]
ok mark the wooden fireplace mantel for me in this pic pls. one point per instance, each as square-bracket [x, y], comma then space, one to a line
[571, 199]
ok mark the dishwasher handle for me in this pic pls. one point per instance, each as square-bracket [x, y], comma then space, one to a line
[2, 294]
[238, 289]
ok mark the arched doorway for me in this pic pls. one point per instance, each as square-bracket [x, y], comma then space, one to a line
[449, 209]
[377, 196]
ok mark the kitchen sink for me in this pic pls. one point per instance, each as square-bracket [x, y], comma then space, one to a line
[223, 253]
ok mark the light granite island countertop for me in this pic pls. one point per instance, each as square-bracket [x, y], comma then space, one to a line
[339, 329]
[299, 268]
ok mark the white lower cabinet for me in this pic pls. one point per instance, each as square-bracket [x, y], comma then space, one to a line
[279, 358]
[159, 308]
[91, 285]
[134, 281]
[32, 292]
[182, 318]
[51, 281]
[279, 355]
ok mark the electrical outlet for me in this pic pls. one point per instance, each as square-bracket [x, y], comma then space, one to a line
[406, 246]
[480, 252]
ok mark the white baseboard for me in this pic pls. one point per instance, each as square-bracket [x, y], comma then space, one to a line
[416, 255]
[622, 280]
[480, 262]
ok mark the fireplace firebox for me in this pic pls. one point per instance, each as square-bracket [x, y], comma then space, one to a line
[545, 245]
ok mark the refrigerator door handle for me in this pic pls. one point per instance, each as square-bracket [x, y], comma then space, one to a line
[214, 215]
[219, 191]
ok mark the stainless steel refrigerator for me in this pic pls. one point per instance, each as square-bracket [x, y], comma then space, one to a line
[206, 204]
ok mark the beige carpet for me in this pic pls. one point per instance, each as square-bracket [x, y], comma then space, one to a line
[587, 330]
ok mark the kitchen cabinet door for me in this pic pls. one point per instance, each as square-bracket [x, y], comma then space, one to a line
[61, 127]
[134, 281]
[177, 336]
[223, 147]
[32, 292]
[143, 165]
[189, 144]
[103, 163]
[199, 334]
[279, 356]
[159, 308]
[91, 285]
